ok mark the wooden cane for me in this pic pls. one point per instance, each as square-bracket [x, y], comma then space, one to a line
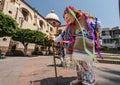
[55, 63]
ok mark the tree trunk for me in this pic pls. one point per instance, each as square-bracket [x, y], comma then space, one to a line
[25, 48]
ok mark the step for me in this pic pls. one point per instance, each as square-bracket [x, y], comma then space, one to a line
[110, 61]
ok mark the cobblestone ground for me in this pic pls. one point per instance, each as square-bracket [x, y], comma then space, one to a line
[40, 71]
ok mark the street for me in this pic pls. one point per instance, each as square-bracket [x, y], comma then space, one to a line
[40, 71]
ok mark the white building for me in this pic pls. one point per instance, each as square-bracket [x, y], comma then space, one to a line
[27, 17]
[111, 37]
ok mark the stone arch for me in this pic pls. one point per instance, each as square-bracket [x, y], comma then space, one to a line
[41, 24]
[26, 14]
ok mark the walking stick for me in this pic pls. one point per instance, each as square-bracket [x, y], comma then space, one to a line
[55, 63]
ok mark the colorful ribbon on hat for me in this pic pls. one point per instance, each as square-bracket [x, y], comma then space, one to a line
[84, 43]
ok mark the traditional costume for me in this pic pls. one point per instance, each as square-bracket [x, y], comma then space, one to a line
[85, 32]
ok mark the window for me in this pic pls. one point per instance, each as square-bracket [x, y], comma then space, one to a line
[34, 24]
[117, 32]
[4, 39]
[41, 24]
[103, 33]
[51, 29]
[25, 14]
[10, 12]
[54, 24]
[103, 41]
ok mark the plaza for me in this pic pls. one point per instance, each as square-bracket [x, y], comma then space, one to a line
[39, 70]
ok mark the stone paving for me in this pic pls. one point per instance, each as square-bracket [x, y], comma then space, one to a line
[40, 71]
[10, 69]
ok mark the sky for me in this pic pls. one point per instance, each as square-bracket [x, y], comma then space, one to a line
[105, 10]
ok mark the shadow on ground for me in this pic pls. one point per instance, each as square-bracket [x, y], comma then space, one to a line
[57, 65]
[112, 79]
[112, 72]
[53, 81]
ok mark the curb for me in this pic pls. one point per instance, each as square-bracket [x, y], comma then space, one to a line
[109, 61]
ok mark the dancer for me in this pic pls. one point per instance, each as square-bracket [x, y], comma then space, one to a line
[86, 31]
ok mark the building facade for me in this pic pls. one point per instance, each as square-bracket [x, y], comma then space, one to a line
[27, 18]
[111, 37]
[54, 20]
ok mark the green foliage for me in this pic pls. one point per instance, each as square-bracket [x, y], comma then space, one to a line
[38, 37]
[8, 25]
[104, 48]
[22, 35]
[46, 42]
[27, 35]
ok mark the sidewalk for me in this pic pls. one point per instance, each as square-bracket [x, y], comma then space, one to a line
[40, 71]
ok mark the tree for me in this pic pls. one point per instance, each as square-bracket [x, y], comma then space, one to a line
[44, 42]
[26, 36]
[8, 25]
